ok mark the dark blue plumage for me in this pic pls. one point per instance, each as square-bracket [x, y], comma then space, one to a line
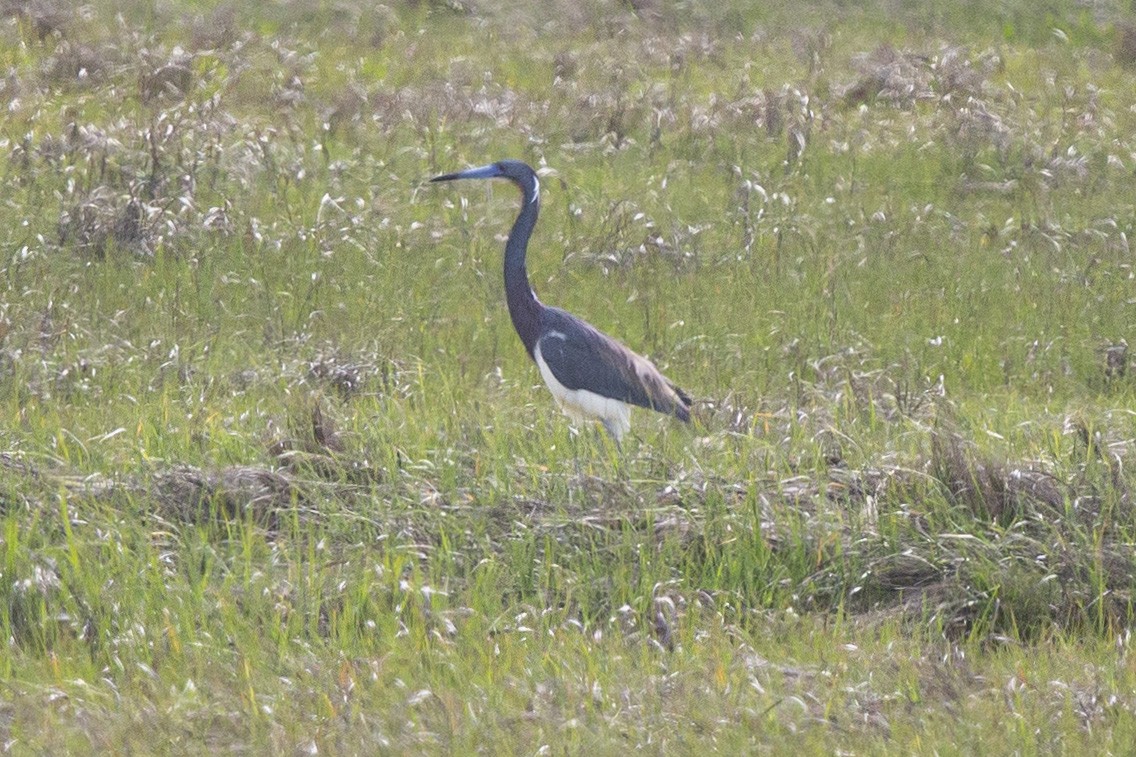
[589, 373]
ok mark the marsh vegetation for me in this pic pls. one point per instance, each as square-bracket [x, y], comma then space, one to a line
[275, 472]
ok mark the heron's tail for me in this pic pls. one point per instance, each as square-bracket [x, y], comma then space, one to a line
[682, 407]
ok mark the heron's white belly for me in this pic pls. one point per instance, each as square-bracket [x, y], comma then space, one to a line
[582, 405]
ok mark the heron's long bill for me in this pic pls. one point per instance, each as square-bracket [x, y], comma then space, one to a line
[490, 171]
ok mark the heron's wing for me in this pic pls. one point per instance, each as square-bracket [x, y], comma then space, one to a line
[581, 357]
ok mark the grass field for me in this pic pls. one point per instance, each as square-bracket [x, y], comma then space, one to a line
[277, 475]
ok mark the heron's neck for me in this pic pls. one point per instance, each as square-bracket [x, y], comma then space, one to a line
[524, 307]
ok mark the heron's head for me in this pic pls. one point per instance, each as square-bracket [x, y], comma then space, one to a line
[514, 170]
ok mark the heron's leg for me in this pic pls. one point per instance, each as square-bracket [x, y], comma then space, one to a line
[612, 446]
[584, 445]
[574, 440]
[613, 433]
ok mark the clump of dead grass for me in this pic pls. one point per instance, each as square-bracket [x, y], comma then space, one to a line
[186, 494]
[311, 445]
[995, 490]
[104, 220]
[351, 374]
[45, 18]
[1125, 50]
[165, 76]
[903, 78]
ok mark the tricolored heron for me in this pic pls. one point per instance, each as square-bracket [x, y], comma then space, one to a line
[590, 374]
